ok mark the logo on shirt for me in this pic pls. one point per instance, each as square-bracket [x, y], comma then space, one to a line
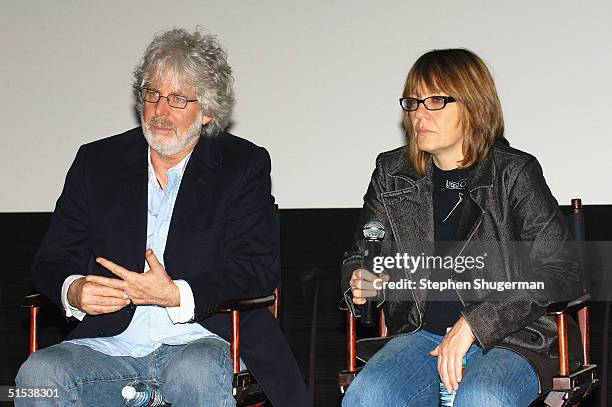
[461, 184]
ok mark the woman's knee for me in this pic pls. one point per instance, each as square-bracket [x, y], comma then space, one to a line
[499, 378]
[364, 394]
[484, 394]
[377, 387]
[476, 394]
[400, 371]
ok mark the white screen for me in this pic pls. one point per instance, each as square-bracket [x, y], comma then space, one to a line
[317, 84]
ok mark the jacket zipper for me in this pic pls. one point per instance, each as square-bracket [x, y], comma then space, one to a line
[454, 207]
[461, 251]
[416, 302]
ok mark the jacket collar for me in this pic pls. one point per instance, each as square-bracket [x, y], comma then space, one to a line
[197, 183]
[481, 175]
[415, 202]
[131, 180]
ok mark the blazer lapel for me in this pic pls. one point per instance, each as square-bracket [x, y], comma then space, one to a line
[131, 183]
[196, 183]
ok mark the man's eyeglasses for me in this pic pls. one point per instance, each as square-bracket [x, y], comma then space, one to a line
[176, 101]
[431, 103]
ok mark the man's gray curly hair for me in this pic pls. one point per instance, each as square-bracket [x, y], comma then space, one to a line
[200, 60]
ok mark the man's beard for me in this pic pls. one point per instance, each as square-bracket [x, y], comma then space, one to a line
[165, 145]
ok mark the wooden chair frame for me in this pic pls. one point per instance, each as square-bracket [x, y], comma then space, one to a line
[244, 385]
[569, 388]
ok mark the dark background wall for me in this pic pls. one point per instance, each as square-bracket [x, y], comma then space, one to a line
[313, 241]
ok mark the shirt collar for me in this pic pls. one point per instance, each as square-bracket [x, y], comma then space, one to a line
[178, 168]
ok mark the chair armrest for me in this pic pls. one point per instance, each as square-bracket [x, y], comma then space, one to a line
[233, 307]
[247, 304]
[557, 308]
[31, 301]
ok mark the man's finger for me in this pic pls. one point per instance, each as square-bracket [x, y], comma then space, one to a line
[152, 261]
[101, 309]
[114, 292]
[109, 301]
[111, 292]
[107, 282]
[116, 269]
[435, 351]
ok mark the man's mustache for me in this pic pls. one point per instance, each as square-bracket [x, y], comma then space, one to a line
[161, 123]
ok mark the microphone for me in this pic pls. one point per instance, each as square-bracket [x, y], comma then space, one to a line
[373, 232]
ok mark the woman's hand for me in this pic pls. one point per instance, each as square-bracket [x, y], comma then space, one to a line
[451, 351]
[362, 285]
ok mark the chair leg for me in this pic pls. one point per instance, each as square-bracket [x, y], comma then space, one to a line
[382, 325]
[345, 377]
[563, 351]
[585, 334]
[34, 329]
[351, 342]
[235, 345]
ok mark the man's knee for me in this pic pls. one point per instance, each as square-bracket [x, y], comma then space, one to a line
[46, 367]
[200, 374]
[208, 362]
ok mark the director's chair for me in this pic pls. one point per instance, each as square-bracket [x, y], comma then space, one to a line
[244, 386]
[569, 388]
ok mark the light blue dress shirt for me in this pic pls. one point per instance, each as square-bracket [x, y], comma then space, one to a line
[151, 325]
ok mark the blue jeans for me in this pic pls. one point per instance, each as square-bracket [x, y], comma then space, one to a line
[196, 374]
[403, 373]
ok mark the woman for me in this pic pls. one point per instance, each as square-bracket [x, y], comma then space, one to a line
[459, 181]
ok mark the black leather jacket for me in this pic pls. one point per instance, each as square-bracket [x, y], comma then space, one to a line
[507, 201]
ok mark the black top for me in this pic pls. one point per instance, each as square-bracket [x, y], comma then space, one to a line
[443, 307]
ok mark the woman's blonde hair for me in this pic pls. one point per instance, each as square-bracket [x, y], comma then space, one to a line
[462, 74]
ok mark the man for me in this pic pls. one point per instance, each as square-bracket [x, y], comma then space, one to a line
[190, 206]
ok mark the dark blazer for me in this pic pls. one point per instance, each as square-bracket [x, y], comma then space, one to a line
[507, 201]
[223, 240]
